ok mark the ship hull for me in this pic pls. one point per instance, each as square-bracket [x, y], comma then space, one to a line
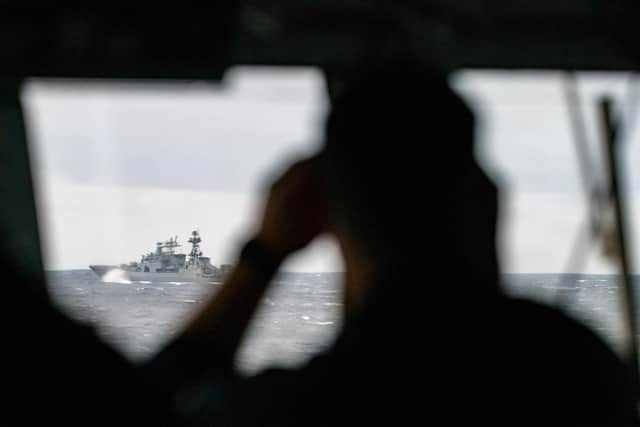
[117, 274]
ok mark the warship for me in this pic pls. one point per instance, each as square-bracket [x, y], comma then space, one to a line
[166, 265]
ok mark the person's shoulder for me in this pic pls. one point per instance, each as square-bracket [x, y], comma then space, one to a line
[565, 344]
[541, 324]
[542, 318]
[569, 362]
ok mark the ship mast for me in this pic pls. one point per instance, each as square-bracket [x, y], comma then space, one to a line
[195, 247]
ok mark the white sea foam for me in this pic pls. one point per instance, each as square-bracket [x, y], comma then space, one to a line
[116, 276]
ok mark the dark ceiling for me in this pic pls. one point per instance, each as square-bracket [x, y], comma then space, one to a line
[173, 42]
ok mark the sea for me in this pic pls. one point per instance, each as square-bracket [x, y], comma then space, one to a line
[298, 317]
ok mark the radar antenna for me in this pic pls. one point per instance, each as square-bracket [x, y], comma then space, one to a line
[195, 247]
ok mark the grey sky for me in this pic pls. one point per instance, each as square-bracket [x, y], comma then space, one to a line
[527, 131]
[196, 137]
[122, 167]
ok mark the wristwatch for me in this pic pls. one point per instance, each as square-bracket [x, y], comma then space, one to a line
[260, 256]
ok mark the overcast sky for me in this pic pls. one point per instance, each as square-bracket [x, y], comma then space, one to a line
[121, 167]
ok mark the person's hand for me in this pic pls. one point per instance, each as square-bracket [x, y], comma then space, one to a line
[295, 211]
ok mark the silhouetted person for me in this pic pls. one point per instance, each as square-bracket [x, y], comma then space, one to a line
[429, 337]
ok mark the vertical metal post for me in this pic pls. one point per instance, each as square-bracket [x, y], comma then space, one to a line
[610, 135]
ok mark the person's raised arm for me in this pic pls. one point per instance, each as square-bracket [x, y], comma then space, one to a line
[295, 213]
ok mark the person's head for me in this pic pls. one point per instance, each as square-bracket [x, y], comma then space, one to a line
[404, 188]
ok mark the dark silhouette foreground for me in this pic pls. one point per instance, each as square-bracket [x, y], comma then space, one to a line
[428, 336]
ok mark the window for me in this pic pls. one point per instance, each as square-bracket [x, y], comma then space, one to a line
[527, 142]
[120, 167]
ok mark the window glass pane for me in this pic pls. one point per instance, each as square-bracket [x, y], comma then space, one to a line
[120, 167]
[528, 144]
